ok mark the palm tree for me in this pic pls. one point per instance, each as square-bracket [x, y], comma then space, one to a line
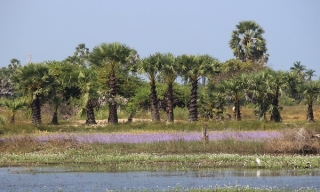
[263, 97]
[80, 55]
[193, 68]
[247, 42]
[275, 83]
[298, 69]
[310, 90]
[113, 56]
[169, 71]
[309, 74]
[67, 85]
[14, 65]
[151, 66]
[34, 80]
[88, 87]
[13, 106]
[234, 88]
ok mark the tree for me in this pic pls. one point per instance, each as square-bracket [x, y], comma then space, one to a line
[88, 87]
[169, 71]
[298, 69]
[113, 56]
[309, 74]
[256, 83]
[34, 80]
[310, 90]
[13, 105]
[14, 65]
[234, 88]
[248, 44]
[151, 66]
[80, 55]
[192, 68]
[275, 83]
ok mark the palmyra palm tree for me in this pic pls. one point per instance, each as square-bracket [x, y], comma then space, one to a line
[170, 72]
[193, 67]
[13, 105]
[151, 66]
[310, 90]
[234, 88]
[309, 74]
[298, 69]
[113, 56]
[247, 42]
[33, 80]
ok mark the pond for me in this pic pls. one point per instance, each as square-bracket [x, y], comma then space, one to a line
[55, 179]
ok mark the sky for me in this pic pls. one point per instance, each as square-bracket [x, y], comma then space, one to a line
[51, 29]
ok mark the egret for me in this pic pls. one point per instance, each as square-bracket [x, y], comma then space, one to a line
[258, 161]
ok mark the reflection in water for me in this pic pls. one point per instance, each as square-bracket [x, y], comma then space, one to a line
[50, 179]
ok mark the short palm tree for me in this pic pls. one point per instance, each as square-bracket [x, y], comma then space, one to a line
[247, 42]
[275, 83]
[151, 67]
[34, 81]
[113, 56]
[88, 87]
[13, 105]
[233, 88]
[193, 67]
[310, 90]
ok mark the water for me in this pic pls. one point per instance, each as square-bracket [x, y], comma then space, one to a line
[53, 179]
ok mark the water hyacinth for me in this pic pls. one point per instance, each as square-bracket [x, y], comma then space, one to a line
[159, 136]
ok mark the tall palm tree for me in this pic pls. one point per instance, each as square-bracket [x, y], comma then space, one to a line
[192, 69]
[151, 66]
[247, 42]
[310, 90]
[34, 80]
[170, 72]
[13, 106]
[298, 69]
[309, 74]
[113, 56]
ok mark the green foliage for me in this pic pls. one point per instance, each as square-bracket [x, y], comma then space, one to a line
[247, 42]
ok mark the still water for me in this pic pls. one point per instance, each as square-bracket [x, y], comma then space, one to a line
[55, 179]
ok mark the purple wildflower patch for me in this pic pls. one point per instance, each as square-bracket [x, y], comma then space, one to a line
[160, 137]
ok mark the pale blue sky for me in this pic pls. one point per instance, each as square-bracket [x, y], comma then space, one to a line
[51, 29]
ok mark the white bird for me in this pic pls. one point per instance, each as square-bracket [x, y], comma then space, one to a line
[258, 162]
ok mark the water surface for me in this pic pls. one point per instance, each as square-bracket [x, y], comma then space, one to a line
[54, 179]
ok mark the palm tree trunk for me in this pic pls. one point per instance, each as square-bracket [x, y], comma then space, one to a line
[12, 119]
[275, 114]
[54, 120]
[154, 103]
[90, 113]
[36, 111]
[237, 111]
[170, 115]
[310, 116]
[193, 108]
[113, 114]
